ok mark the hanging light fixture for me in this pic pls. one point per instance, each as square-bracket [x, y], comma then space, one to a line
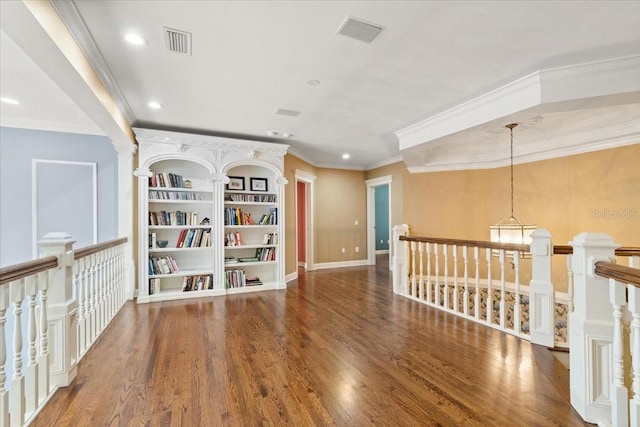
[510, 230]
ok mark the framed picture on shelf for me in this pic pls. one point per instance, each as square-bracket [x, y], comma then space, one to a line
[236, 183]
[258, 184]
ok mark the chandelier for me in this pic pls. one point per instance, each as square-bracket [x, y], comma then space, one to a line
[511, 230]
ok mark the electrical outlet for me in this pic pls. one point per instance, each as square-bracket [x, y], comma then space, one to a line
[381, 241]
[344, 250]
[357, 248]
[356, 222]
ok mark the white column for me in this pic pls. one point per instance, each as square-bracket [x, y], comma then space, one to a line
[541, 293]
[125, 216]
[591, 329]
[143, 212]
[400, 259]
[62, 311]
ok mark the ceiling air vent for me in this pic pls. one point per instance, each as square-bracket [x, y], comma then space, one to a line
[285, 112]
[177, 41]
[359, 29]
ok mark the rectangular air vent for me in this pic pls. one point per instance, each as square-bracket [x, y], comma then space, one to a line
[359, 29]
[285, 112]
[177, 41]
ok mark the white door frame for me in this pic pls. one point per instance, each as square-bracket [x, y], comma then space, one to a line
[308, 179]
[371, 217]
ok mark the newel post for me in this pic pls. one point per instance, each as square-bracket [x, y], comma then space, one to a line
[61, 310]
[591, 328]
[400, 277]
[542, 295]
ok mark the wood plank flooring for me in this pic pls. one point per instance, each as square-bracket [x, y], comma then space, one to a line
[336, 348]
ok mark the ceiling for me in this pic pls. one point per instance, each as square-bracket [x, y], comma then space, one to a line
[434, 89]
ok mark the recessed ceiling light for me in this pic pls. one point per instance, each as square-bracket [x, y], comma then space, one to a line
[272, 133]
[287, 135]
[9, 101]
[135, 39]
[313, 82]
[155, 105]
[346, 156]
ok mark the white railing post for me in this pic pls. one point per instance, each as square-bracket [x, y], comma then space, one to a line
[591, 329]
[61, 310]
[541, 294]
[400, 259]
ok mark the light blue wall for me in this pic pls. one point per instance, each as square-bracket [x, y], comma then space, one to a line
[382, 217]
[18, 147]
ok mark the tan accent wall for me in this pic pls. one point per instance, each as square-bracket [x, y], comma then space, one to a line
[592, 192]
[340, 200]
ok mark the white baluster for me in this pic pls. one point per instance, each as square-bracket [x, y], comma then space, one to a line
[502, 296]
[517, 322]
[476, 304]
[16, 394]
[570, 284]
[4, 393]
[413, 269]
[436, 287]
[634, 308]
[429, 296]
[445, 293]
[455, 279]
[620, 394]
[101, 289]
[31, 375]
[465, 295]
[43, 355]
[78, 283]
[489, 291]
[421, 286]
[94, 299]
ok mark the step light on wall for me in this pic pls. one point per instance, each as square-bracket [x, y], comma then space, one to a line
[510, 230]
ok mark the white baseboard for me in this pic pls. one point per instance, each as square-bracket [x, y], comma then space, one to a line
[302, 264]
[291, 277]
[340, 264]
[382, 251]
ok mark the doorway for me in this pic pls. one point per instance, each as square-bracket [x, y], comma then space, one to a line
[379, 219]
[304, 220]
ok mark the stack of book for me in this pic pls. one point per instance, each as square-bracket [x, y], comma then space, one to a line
[197, 283]
[166, 265]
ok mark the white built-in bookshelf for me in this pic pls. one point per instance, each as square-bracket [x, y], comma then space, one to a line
[209, 215]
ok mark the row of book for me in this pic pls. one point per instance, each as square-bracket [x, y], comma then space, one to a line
[233, 239]
[173, 218]
[163, 265]
[166, 179]
[235, 216]
[172, 195]
[266, 254]
[269, 219]
[194, 238]
[238, 279]
[255, 198]
[197, 283]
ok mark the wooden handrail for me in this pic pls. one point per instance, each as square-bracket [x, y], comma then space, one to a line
[472, 243]
[24, 269]
[93, 249]
[621, 273]
[18, 271]
[623, 251]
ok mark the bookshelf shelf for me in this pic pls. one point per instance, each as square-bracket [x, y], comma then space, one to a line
[184, 199]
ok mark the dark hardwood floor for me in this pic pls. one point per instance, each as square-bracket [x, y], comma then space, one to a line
[336, 348]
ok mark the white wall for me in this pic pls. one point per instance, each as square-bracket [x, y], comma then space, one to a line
[65, 169]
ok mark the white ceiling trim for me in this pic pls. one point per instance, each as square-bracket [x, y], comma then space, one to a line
[562, 84]
[81, 34]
